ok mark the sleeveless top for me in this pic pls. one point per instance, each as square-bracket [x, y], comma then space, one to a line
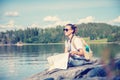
[77, 42]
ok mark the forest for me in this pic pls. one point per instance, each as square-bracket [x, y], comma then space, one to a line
[94, 31]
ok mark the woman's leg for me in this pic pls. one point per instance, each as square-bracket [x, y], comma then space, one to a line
[77, 61]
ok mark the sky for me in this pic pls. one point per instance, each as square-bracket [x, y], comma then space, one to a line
[20, 14]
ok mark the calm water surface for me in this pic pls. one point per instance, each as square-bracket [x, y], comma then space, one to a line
[20, 62]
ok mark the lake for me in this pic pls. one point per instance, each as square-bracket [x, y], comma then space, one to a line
[20, 62]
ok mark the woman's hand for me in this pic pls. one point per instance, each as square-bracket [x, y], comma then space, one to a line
[79, 52]
[73, 52]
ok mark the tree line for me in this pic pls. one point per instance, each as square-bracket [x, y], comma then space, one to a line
[55, 35]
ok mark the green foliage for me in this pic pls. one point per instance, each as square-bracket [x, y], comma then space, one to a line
[95, 30]
[54, 35]
[114, 37]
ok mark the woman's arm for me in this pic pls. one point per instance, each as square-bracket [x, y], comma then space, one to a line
[65, 51]
[79, 52]
[78, 45]
[66, 47]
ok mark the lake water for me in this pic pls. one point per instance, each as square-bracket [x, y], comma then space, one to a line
[20, 62]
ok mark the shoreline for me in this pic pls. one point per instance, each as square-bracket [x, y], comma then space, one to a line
[23, 44]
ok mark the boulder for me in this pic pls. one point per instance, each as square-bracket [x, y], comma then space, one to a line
[85, 72]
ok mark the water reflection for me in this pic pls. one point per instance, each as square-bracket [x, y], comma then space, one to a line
[19, 62]
[99, 50]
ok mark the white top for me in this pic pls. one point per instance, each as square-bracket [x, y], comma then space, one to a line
[76, 41]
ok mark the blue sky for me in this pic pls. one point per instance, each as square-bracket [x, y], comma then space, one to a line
[20, 14]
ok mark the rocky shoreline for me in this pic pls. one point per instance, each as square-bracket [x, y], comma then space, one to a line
[96, 71]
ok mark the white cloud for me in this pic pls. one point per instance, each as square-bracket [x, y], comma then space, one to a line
[34, 25]
[117, 20]
[86, 20]
[10, 26]
[62, 22]
[11, 23]
[12, 13]
[51, 18]
[2, 26]
[57, 23]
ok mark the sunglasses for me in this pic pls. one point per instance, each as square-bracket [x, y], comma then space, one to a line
[66, 30]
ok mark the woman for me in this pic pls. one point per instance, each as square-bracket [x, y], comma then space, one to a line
[74, 46]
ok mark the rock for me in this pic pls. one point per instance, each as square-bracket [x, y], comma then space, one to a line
[117, 70]
[116, 78]
[49, 79]
[97, 72]
[117, 64]
[58, 74]
[85, 72]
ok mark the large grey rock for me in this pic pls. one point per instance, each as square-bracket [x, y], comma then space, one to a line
[58, 74]
[86, 72]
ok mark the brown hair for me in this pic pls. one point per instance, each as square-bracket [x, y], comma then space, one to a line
[73, 27]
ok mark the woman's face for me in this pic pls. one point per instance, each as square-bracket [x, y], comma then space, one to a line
[67, 31]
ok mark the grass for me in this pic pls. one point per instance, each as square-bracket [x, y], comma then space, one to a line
[87, 39]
